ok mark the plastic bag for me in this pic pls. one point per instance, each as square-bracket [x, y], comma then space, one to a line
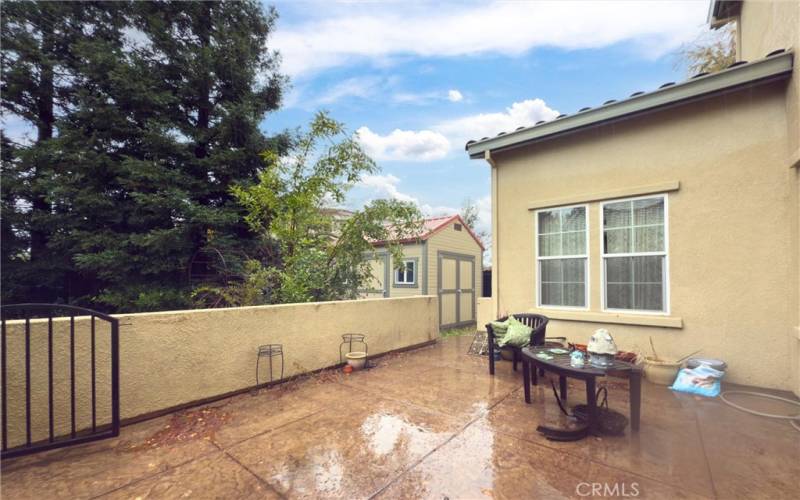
[703, 381]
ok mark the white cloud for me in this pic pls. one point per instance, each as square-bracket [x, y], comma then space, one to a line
[409, 145]
[385, 186]
[454, 95]
[342, 34]
[519, 114]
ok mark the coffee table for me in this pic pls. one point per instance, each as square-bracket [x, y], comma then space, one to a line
[560, 365]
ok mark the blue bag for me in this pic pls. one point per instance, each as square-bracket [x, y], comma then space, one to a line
[702, 380]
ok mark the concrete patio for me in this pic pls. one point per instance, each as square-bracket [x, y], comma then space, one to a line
[429, 423]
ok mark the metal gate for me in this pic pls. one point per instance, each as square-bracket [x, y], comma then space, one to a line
[60, 377]
[457, 300]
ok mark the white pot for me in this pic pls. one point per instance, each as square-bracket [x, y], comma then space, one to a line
[356, 359]
[660, 372]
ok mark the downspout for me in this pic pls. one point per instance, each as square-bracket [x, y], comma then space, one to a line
[487, 155]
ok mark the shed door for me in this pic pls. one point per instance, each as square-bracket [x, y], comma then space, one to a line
[456, 290]
[379, 284]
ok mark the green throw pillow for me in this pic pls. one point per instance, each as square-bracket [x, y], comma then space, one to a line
[499, 328]
[517, 335]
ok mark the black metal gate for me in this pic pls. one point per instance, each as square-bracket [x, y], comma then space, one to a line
[47, 334]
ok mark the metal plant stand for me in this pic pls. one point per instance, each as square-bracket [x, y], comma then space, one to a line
[269, 351]
[350, 338]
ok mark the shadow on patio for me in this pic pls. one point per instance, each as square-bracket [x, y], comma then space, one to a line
[429, 423]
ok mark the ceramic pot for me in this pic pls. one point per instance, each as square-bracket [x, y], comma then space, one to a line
[356, 359]
[506, 353]
[660, 372]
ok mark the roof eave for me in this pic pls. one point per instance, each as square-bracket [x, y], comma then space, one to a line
[775, 67]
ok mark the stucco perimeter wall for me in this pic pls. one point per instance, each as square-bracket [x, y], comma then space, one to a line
[733, 229]
[486, 312]
[173, 358]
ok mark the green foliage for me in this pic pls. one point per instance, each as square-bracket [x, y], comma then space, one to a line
[139, 139]
[711, 51]
[312, 255]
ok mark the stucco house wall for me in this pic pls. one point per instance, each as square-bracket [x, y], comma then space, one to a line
[732, 228]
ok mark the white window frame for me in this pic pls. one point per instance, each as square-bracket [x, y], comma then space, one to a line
[397, 281]
[664, 269]
[584, 256]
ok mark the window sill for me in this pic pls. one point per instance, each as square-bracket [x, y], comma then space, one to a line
[621, 319]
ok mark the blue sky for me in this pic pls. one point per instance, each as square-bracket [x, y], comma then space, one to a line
[415, 80]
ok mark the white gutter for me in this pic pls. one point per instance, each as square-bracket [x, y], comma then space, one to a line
[775, 67]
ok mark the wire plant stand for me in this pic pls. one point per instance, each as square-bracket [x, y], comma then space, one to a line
[348, 339]
[269, 351]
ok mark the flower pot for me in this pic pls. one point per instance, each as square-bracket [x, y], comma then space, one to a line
[659, 371]
[357, 360]
[507, 354]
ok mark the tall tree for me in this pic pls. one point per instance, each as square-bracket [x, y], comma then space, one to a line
[39, 56]
[159, 122]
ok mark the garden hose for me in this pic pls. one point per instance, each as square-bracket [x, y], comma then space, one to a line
[793, 419]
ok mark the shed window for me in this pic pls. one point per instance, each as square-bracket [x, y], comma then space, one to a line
[562, 256]
[405, 274]
[457, 227]
[635, 254]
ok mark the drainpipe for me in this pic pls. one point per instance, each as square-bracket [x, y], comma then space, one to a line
[487, 155]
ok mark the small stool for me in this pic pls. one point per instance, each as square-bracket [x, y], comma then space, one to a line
[269, 351]
[349, 338]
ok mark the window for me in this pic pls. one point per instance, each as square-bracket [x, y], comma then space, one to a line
[457, 226]
[561, 254]
[635, 254]
[406, 274]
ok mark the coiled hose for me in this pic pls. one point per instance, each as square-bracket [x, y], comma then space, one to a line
[793, 419]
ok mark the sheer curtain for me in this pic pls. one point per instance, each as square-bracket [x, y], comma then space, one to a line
[634, 254]
[562, 256]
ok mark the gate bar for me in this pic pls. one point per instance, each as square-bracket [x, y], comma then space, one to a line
[50, 373]
[5, 409]
[94, 390]
[72, 369]
[28, 379]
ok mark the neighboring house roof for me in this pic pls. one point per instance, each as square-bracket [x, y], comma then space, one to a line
[775, 66]
[432, 226]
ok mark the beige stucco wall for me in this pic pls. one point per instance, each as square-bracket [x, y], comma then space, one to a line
[766, 26]
[733, 228]
[486, 312]
[173, 358]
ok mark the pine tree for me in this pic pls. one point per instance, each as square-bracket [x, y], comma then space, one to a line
[161, 116]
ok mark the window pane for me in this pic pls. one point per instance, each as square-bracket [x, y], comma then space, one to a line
[648, 269]
[648, 239]
[649, 211]
[550, 245]
[574, 271]
[574, 219]
[573, 243]
[574, 295]
[635, 283]
[549, 222]
[619, 296]
[648, 297]
[618, 240]
[619, 270]
[617, 214]
[409, 272]
[551, 294]
[551, 271]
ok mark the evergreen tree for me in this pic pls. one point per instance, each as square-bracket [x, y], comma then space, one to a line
[160, 119]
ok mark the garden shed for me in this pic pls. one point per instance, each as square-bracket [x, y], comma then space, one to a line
[445, 260]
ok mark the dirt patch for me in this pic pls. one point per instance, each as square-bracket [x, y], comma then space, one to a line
[188, 425]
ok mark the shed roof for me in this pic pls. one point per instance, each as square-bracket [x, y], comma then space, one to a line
[432, 226]
[775, 66]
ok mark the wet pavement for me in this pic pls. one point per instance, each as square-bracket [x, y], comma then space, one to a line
[430, 423]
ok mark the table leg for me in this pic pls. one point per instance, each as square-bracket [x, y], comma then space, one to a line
[635, 395]
[526, 379]
[562, 385]
[591, 403]
[534, 377]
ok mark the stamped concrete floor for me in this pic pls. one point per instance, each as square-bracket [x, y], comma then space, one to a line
[430, 423]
